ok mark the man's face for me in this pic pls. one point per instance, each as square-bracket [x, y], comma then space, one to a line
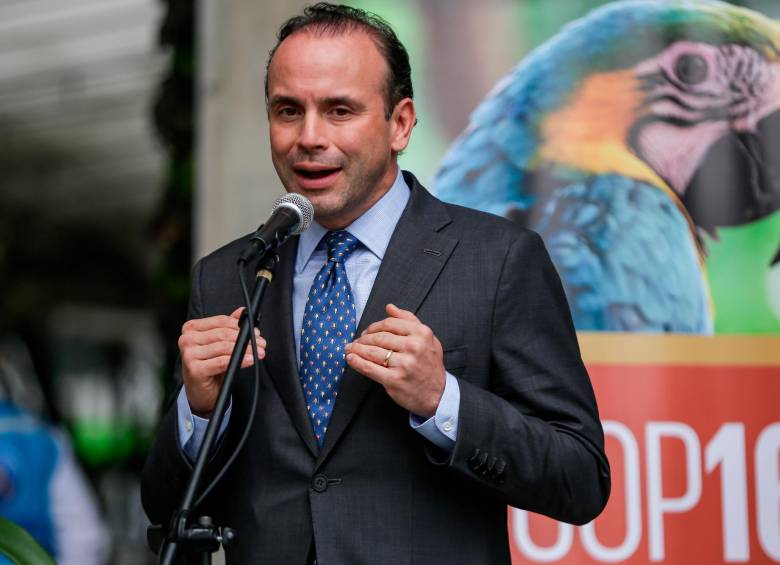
[330, 140]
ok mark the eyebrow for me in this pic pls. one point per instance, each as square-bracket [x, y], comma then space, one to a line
[330, 101]
[343, 101]
[280, 100]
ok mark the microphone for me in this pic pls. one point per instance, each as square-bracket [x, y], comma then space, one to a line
[291, 214]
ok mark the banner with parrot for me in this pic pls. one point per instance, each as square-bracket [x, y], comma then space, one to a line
[641, 139]
[643, 143]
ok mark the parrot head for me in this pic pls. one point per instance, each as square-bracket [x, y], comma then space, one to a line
[654, 90]
[689, 100]
[680, 95]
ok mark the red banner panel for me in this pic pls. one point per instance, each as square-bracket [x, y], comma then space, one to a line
[694, 446]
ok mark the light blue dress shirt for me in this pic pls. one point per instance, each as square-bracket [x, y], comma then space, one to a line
[374, 230]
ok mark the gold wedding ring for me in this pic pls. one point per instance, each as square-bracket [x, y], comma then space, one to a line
[386, 362]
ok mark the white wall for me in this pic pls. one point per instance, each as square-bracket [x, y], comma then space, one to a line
[236, 182]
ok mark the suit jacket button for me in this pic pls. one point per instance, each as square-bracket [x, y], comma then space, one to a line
[499, 470]
[474, 459]
[319, 483]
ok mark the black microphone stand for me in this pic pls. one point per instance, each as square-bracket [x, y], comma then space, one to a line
[202, 537]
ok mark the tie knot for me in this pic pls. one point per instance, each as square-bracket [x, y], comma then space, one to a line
[340, 244]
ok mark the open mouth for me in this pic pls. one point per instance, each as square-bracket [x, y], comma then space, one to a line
[318, 174]
[312, 173]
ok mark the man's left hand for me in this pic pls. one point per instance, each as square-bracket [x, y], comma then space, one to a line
[413, 374]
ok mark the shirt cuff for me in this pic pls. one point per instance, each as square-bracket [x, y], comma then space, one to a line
[192, 428]
[442, 428]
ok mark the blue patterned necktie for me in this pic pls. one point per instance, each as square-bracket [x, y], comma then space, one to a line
[329, 323]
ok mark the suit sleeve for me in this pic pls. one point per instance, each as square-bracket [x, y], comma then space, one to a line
[167, 468]
[534, 438]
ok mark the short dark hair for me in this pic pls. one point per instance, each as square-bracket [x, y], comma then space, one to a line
[324, 18]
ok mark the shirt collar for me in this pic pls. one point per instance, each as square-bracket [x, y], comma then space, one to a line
[374, 228]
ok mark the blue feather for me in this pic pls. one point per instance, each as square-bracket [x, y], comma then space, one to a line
[626, 257]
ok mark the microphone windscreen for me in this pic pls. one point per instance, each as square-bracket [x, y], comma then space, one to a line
[302, 207]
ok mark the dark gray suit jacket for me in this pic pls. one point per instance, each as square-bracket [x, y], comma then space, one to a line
[379, 493]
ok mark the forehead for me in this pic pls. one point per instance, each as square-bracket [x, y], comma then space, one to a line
[310, 61]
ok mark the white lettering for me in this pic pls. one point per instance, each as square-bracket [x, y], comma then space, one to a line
[633, 501]
[657, 505]
[767, 464]
[727, 450]
[534, 552]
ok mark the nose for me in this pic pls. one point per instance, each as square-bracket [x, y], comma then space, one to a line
[312, 135]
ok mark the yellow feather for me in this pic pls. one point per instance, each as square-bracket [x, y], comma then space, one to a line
[590, 134]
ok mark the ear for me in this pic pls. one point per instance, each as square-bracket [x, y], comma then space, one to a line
[402, 121]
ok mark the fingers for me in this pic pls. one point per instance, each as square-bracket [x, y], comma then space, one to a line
[371, 353]
[198, 359]
[210, 336]
[249, 355]
[385, 340]
[402, 331]
[248, 361]
[399, 322]
[414, 376]
[206, 345]
[368, 368]
[401, 335]
[210, 323]
[211, 342]
[208, 351]
[395, 326]
[396, 312]
[216, 366]
[207, 368]
[218, 349]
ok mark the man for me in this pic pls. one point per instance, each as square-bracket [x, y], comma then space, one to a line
[419, 366]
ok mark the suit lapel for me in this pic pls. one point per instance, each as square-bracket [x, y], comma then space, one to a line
[276, 325]
[413, 260]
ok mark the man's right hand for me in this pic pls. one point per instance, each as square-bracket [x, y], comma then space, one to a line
[205, 345]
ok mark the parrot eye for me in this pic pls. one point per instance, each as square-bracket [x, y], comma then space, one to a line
[691, 69]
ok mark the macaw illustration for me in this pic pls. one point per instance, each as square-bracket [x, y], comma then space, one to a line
[628, 141]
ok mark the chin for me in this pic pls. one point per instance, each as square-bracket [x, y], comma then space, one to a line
[332, 217]
[326, 214]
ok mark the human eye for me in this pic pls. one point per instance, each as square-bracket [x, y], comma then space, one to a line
[287, 112]
[341, 112]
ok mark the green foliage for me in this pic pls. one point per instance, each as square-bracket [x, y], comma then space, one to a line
[20, 547]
